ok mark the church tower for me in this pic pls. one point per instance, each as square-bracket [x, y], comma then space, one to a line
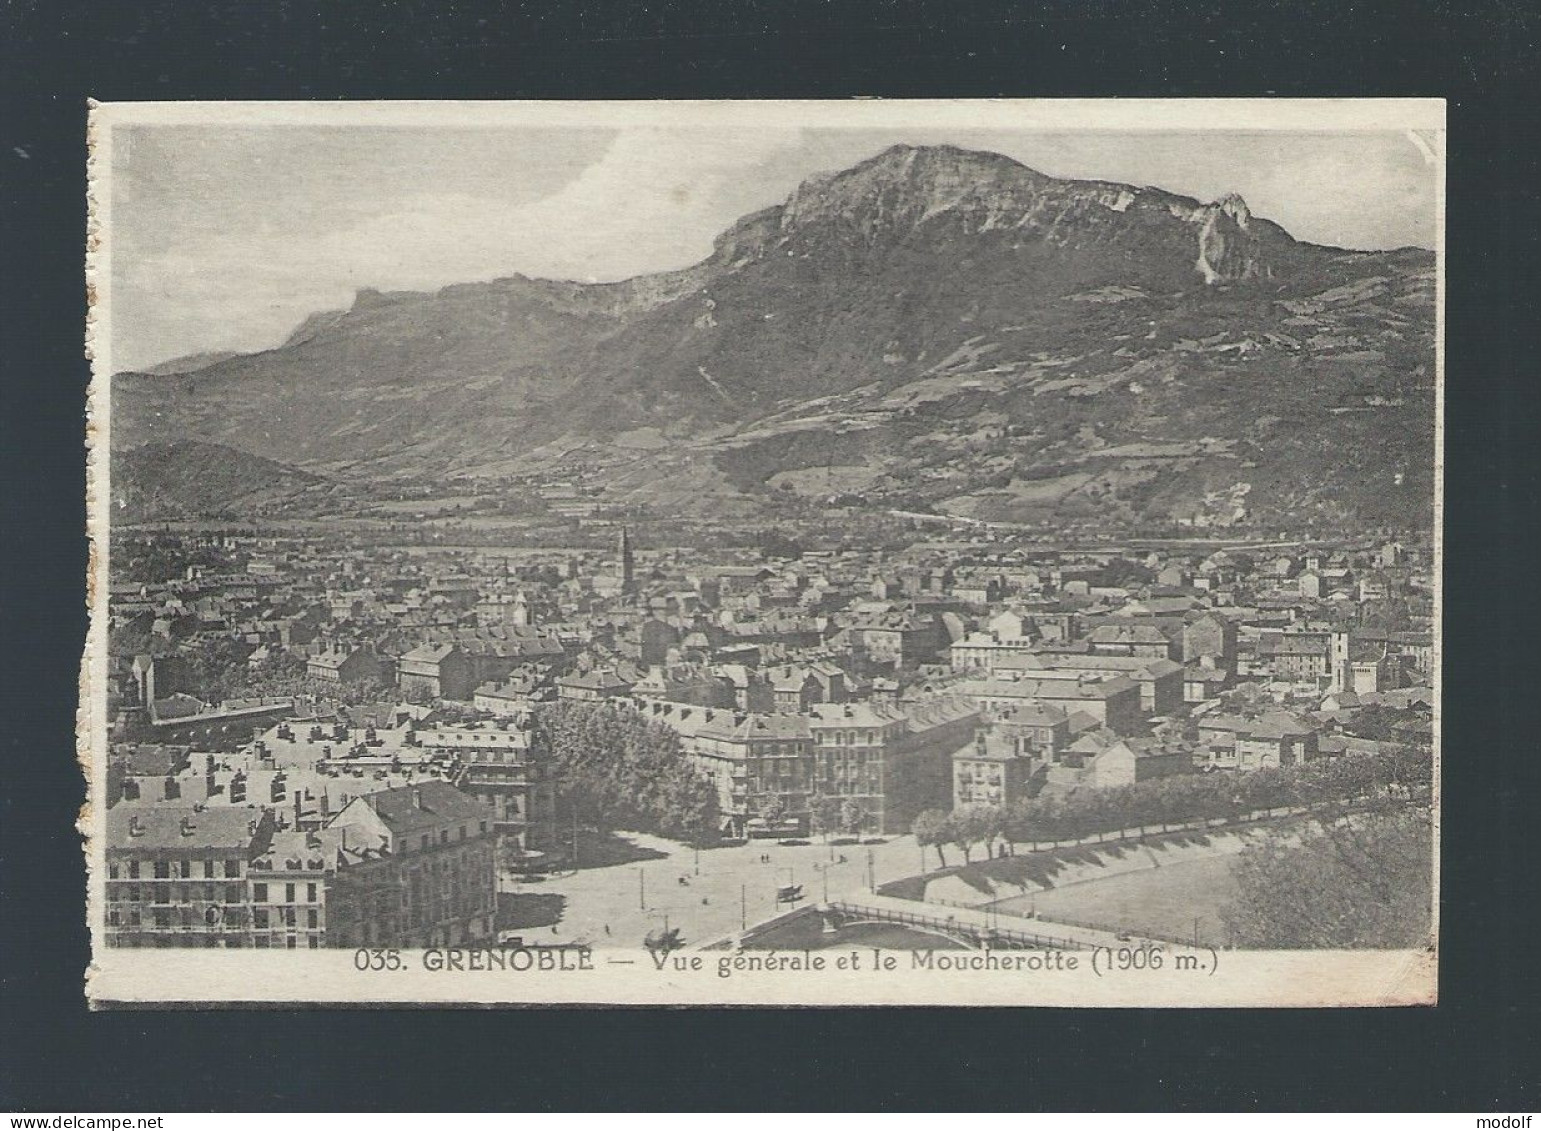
[626, 566]
[1340, 672]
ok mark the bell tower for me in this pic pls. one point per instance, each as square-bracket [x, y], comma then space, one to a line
[626, 564]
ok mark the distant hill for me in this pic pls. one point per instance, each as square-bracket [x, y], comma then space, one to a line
[934, 328]
[189, 364]
[163, 480]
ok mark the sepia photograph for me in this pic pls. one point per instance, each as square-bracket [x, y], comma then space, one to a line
[788, 553]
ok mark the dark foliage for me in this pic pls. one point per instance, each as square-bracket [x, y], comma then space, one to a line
[622, 770]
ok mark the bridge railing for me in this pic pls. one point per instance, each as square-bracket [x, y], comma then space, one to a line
[1031, 940]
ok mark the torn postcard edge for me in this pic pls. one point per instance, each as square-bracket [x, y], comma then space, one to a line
[929, 949]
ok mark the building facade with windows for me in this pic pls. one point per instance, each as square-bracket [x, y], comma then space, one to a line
[497, 766]
[289, 885]
[889, 760]
[418, 869]
[177, 875]
[993, 769]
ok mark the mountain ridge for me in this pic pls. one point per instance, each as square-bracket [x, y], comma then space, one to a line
[630, 292]
[965, 270]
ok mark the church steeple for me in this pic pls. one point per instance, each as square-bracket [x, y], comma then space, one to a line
[626, 564]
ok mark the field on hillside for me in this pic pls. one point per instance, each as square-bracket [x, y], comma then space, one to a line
[1163, 901]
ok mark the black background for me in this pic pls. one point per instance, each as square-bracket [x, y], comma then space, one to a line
[1480, 1049]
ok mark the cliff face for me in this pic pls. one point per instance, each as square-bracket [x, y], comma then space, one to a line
[909, 194]
[909, 287]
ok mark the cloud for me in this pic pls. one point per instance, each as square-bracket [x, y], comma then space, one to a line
[651, 202]
[229, 241]
[654, 200]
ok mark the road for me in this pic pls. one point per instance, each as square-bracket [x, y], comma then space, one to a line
[722, 888]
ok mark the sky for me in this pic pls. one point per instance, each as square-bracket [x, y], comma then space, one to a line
[226, 238]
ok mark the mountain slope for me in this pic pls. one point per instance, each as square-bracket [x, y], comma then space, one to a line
[163, 480]
[190, 364]
[968, 333]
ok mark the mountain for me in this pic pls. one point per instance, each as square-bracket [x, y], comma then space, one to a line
[189, 364]
[164, 480]
[933, 328]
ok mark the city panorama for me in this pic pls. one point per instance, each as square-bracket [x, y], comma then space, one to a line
[580, 540]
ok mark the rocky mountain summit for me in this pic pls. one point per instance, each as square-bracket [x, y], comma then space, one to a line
[934, 329]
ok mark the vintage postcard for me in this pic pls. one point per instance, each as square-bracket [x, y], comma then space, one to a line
[795, 553]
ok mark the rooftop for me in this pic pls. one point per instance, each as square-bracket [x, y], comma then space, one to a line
[184, 827]
[426, 805]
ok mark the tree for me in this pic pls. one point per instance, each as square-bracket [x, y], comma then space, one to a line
[1408, 771]
[300, 686]
[1046, 818]
[971, 825]
[1268, 788]
[1177, 801]
[620, 769]
[990, 823]
[1363, 880]
[1123, 573]
[778, 544]
[1022, 822]
[1396, 777]
[1378, 722]
[216, 667]
[770, 808]
[852, 815]
[418, 695]
[824, 814]
[689, 807]
[930, 828]
[510, 855]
